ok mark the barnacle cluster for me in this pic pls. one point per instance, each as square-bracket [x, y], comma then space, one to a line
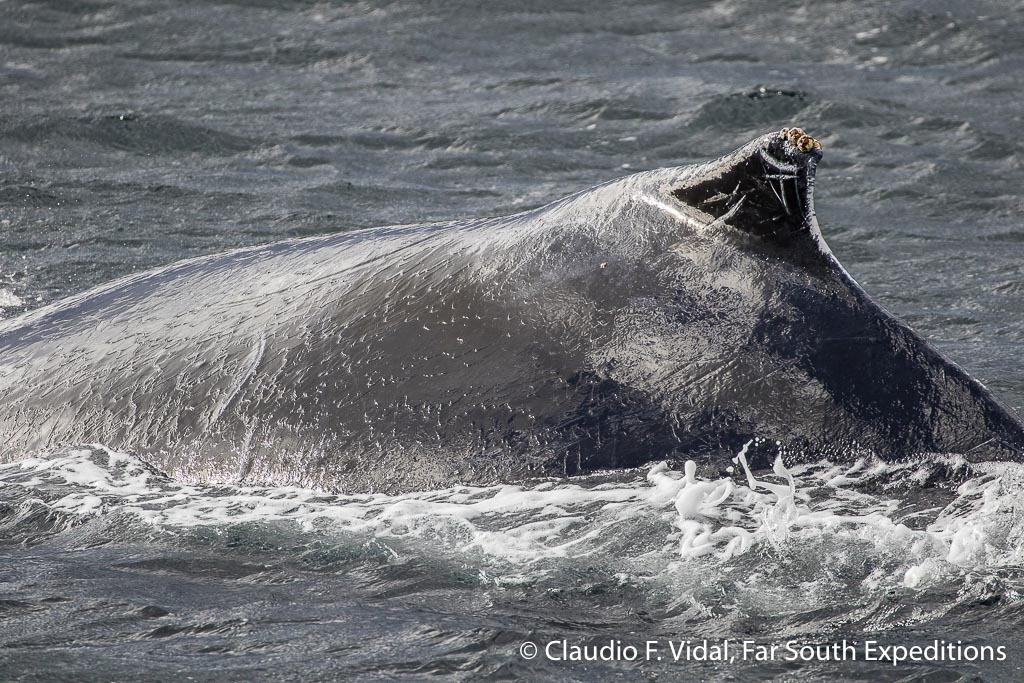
[799, 140]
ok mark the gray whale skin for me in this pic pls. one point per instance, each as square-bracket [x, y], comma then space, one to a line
[670, 314]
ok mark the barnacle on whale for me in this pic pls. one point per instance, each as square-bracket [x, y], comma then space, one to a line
[799, 140]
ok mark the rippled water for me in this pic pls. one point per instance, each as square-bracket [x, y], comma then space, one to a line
[136, 134]
[113, 561]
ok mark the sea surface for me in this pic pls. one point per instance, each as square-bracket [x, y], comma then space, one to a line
[135, 134]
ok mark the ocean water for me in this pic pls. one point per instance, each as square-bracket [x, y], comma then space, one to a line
[136, 134]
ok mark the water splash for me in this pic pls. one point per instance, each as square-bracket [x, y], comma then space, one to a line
[683, 520]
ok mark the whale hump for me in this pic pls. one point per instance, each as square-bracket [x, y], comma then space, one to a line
[596, 332]
[763, 188]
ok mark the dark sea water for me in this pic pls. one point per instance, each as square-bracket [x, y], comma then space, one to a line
[139, 133]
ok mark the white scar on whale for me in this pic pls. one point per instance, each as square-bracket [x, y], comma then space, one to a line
[688, 221]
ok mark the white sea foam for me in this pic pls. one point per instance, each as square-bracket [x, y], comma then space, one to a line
[671, 520]
[9, 300]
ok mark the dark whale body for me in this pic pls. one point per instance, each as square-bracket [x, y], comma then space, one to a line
[675, 313]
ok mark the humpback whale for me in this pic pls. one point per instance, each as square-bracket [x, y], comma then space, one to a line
[673, 313]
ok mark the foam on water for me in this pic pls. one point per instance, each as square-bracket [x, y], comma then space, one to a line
[673, 522]
[9, 299]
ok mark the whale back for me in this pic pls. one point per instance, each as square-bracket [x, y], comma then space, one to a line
[674, 313]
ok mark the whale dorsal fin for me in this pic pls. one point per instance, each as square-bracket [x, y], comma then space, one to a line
[764, 188]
